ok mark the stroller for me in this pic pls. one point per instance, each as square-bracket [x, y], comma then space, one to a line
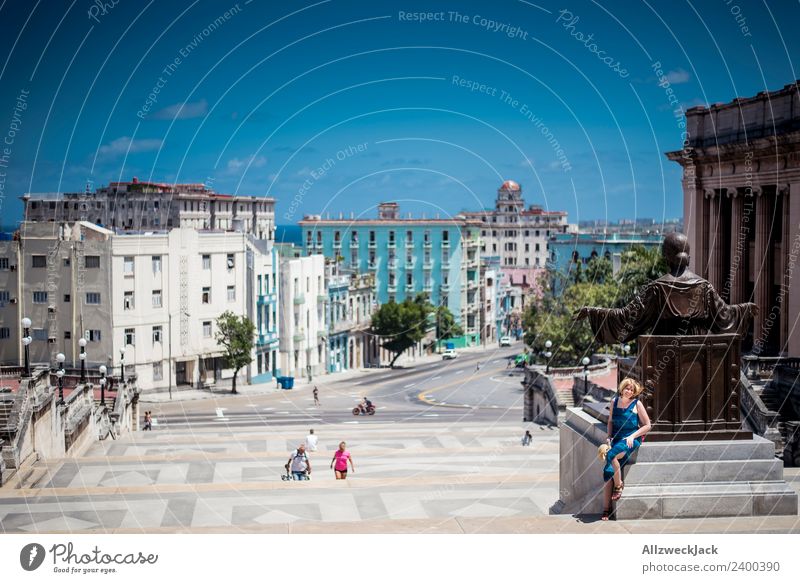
[288, 477]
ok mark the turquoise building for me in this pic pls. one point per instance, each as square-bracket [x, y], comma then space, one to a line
[406, 256]
[266, 320]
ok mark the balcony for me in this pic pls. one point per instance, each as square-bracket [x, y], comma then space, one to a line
[391, 245]
[445, 244]
[446, 265]
[391, 288]
[337, 244]
[372, 245]
[428, 287]
[299, 299]
[299, 336]
[472, 284]
[409, 288]
[373, 266]
[392, 264]
[427, 264]
[322, 298]
[409, 244]
[409, 264]
[427, 244]
[354, 244]
[445, 287]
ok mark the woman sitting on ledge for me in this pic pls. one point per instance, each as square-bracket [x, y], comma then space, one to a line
[627, 424]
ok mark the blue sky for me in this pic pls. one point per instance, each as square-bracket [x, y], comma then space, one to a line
[339, 105]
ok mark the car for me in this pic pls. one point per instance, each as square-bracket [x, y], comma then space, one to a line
[449, 354]
[505, 341]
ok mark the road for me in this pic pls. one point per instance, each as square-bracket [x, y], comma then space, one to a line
[476, 386]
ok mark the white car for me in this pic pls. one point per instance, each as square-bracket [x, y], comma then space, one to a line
[505, 341]
[449, 354]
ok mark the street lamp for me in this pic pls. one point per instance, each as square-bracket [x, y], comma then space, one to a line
[60, 358]
[626, 349]
[26, 342]
[585, 362]
[103, 371]
[122, 365]
[548, 355]
[82, 356]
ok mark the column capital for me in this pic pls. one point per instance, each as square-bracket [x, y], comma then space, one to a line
[709, 192]
[756, 190]
[783, 189]
[729, 192]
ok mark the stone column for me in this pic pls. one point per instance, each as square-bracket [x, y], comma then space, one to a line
[738, 264]
[704, 237]
[793, 299]
[786, 245]
[763, 266]
[714, 250]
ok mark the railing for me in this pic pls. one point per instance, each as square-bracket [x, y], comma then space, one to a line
[427, 264]
[540, 402]
[761, 367]
[299, 299]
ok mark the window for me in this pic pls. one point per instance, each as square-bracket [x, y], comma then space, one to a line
[391, 237]
[127, 266]
[67, 335]
[39, 334]
[537, 246]
[207, 329]
[92, 261]
[156, 263]
[5, 333]
[156, 298]
[158, 371]
[445, 236]
[5, 297]
[230, 261]
[93, 298]
[157, 332]
[130, 336]
[93, 335]
[39, 297]
[39, 261]
[66, 262]
[206, 298]
[206, 261]
[3, 263]
[127, 300]
[231, 293]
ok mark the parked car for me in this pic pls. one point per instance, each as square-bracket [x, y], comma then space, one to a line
[449, 354]
[505, 341]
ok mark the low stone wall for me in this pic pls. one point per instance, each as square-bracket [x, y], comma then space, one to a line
[541, 403]
[588, 391]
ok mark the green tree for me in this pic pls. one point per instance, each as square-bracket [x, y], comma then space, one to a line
[402, 325]
[598, 270]
[446, 325]
[640, 265]
[235, 334]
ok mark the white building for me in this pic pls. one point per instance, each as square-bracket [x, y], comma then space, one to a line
[302, 316]
[168, 290]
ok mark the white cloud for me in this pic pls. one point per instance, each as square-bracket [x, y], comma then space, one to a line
[239, 164]
[188, 110]
[678, 76]
[125, 145]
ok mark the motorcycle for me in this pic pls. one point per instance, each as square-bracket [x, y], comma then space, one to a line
[361, 410]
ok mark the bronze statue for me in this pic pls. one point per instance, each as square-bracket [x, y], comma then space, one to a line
[678, 303]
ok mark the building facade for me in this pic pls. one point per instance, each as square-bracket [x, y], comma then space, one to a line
[517, 235]
[302, 323]
[349, 308]
[570, 252]
[406, 256]
[741, 200]
[144, 206]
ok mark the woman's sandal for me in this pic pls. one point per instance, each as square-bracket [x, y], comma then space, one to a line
[617, 492]
[606, 514]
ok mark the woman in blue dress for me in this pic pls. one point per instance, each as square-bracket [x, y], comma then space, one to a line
[627, 425]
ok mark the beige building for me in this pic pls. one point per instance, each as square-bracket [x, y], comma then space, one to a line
[741, 184]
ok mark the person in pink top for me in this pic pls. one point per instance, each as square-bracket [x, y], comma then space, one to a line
[339, 462]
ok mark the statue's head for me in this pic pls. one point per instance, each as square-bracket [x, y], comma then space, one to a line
[675, 250]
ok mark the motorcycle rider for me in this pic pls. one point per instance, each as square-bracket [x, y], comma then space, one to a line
[364, 407]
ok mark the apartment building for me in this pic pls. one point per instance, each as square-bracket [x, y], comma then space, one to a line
[302, 338]
[407, 256]
[349, 308]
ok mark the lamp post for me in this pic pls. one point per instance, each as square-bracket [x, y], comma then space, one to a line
[626, 349]
[26, 342]
[60, 358]
[122, 365]
[103, 371]
[585, 362]
[82, 356]
[548, 355]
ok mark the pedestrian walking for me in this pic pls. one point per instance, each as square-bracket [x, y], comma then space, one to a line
[299, 464]
[527, 438]
[148, 421]
[316, 396]
[339, 462]
[311, 441]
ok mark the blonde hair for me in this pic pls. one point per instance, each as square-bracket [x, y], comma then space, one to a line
[633, 384]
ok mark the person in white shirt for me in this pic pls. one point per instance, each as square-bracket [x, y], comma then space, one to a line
[311, 441]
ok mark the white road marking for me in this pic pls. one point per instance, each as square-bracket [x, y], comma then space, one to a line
[350, 422]
[434, 378]
[409, 386]
[458, 372]
[431, 415]
[269, 408]
[220, 411]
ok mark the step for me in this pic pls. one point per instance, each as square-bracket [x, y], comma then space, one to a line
[679, 472]
[701, 500]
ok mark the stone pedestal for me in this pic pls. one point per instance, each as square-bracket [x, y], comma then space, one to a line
[686, 479]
